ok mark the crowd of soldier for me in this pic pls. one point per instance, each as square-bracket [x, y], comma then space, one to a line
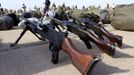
[4, 11]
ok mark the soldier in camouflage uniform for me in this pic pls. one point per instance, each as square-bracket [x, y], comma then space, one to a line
[24, 7]
[1, 12]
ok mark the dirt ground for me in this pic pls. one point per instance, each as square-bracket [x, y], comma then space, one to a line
[32, 57]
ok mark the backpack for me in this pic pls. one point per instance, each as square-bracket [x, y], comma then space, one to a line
[123, 17]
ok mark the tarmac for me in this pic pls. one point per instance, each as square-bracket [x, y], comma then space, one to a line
[33, 57]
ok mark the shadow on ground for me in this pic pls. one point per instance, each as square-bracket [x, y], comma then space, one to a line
[104, 69]
[36, 58]
[119, 54]
[6, 46]
[97, 51]
[126, 46]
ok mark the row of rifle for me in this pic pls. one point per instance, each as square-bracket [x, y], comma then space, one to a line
[89, 31]
[86, 30]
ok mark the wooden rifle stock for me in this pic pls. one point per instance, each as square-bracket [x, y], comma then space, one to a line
[84, 62]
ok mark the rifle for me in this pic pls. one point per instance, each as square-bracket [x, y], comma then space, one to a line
[99, 30]
[113, 38]
[84, 62]
[102, 31]
[88, 36]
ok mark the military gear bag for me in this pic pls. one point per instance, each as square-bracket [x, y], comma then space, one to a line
[123, 17]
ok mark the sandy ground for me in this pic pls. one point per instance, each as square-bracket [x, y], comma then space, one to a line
[32, 57]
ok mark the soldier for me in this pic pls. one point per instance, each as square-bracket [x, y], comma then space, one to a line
[35, 7]
[53, 5]
[10, 11]
[1, 12]
[24, 7]
[63, 5]
[107, 6]
[47, 4]
[75, 6]
[6, 11]
[83, 8]
[0, 5]
[46, 8]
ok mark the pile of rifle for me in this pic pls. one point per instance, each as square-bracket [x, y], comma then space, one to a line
[86, 30]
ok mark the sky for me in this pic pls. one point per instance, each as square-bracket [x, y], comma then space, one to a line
[17, 4]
